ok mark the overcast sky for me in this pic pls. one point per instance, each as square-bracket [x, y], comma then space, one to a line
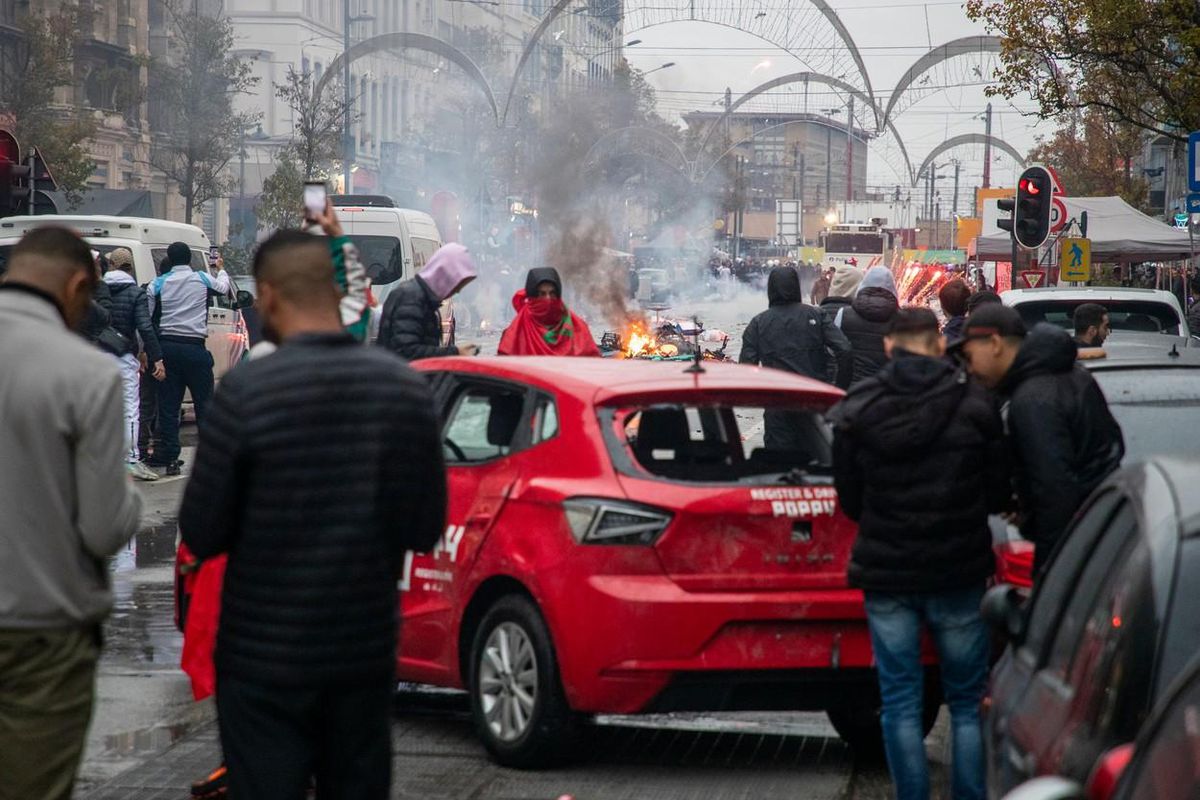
[891, 35]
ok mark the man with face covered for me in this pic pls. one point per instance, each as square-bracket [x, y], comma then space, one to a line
[544, 326]
[66, 505]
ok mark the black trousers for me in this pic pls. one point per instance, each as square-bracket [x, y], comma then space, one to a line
[276, 737]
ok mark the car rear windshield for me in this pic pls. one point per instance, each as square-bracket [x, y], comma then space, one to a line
[1142, 316]
[1158, 409]
[717, 443]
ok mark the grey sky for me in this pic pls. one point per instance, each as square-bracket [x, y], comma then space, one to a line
[891, 35]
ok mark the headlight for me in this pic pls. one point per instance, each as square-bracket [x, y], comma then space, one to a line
[595, 520]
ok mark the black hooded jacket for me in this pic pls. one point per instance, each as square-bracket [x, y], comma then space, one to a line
[542, 275]
[919, 461]
[792, 336]
[411, 324]
[865, 323]
[1064, 439]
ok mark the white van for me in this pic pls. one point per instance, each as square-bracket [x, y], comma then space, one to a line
[148, 240]
[394, 244]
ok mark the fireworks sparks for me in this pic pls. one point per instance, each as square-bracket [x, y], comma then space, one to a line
[917, 284]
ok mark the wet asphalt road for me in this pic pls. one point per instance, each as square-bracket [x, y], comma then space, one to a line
[146, 724]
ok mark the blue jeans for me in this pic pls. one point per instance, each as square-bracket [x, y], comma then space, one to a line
[961, 639]
[190, 367]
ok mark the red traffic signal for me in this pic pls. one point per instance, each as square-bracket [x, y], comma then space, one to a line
[1031, 216]
[14, 176]
[10, 149]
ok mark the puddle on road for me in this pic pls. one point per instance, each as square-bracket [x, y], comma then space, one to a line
[147, 740]
[141, 629]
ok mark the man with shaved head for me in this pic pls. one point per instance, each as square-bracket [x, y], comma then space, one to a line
[320, 465]
[66, 505]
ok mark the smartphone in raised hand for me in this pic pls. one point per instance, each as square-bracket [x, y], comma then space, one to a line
[314, 199]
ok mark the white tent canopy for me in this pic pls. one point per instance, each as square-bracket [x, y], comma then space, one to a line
[1119, 233]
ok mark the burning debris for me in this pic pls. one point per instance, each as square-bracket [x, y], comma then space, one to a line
[668, 341]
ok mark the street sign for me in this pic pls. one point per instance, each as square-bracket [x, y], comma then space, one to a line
[1058, 215]
[1193, 203]
[1033, 278]
[1193, 161]
[1075, 259]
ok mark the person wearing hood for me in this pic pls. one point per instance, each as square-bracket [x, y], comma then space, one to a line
[130, 311]
[842, 286]
[1064, 439]
[865, 322]
[544, 326]
[923, 554]
[822, 285]
[412, 322]
[792, 336]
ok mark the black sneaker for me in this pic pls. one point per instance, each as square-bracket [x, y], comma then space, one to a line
[174, 468]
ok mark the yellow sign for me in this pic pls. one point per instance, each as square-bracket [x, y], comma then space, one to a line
[1075, 260]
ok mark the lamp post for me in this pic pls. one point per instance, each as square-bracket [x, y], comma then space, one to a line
[347, 138]
[667, 65]
[605, 51]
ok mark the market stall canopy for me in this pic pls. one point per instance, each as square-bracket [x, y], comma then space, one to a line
[1119, 233]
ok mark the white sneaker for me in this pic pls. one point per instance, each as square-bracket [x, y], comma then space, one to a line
[141, 472]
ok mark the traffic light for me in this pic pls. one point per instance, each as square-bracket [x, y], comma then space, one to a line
[15, 183]
[1031, 216]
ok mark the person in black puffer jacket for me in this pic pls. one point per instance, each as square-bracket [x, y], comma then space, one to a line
[867, 319]
[131, 318]
[320, 465]
[412, 323]
[919, 461]
[790, 335]
[1063, 437]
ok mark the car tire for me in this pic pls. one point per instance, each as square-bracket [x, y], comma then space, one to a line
[521, 714]
[858, 724]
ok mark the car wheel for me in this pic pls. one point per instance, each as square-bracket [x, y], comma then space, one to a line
[857, 719]
[517, 701]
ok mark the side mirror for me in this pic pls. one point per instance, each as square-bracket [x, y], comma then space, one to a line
[1050, 787]
[1003, 609]
[243, 299]
[1107, 772]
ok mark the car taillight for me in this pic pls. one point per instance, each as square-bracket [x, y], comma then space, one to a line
[596, 520]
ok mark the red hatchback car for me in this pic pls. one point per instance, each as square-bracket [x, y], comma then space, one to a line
[620, 541]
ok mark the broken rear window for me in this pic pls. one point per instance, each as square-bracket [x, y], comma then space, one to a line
[719, 443]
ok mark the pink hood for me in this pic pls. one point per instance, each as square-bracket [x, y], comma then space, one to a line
[449, 266]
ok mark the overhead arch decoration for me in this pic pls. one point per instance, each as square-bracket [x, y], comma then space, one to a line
[410, 41]
[965, 139]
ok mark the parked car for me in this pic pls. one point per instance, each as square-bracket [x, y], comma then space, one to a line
[1111, 624]
[148, 240]
[1153, 389]
[619, 541]
[1129, 310]
[1164, 763]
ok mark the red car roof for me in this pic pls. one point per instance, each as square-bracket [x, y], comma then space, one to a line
[601, 379]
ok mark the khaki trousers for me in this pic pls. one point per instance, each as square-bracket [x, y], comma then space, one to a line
[47, 683]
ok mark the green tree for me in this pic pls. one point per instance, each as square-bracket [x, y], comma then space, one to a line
[1136, 60]
[279, 205]
[196, 89]
[41, 62]
[1094, 156]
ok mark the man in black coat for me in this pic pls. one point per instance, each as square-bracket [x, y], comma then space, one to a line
[1064, 439]
[412, 320]
[919, 462]
[793, 337]
[319, 466]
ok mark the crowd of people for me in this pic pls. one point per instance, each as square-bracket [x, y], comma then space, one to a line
[943, 424]
[299, 538]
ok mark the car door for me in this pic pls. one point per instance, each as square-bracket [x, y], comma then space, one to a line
[1035, 744]
[485, 421]
[1014, 673]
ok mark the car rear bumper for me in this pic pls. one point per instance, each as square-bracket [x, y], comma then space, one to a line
[643, 634]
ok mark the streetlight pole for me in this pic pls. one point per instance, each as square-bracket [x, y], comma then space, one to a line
[347, 139]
